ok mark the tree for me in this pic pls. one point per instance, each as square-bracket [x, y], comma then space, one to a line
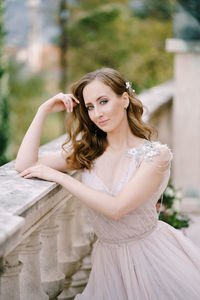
[63, 42]
[162, 10]
[109, 35]
[187, 20]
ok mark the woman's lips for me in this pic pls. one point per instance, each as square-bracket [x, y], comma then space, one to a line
[103, 122]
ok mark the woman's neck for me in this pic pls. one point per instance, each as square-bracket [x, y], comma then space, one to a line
[122, 138]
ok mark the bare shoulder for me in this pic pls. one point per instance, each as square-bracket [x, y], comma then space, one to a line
[151, 151]
[162, 150]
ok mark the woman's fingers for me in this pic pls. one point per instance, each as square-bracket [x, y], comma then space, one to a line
[40, 171]
[35, 171]
[76, 100]
[61, 102]
[67, 101]
[28, 173]
[70, 101]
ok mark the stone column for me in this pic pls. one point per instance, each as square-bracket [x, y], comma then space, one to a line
[10, 284]
[51, 276]
[68, 259]
[186, 128]
[81, 242]
[186, 116]
[82, 246]
[30, 278]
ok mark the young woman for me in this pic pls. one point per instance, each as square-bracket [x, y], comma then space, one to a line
[124, 173]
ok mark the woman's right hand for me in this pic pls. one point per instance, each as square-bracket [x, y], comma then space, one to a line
[59, 103]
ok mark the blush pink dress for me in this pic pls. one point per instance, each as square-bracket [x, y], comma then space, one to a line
[138, 257]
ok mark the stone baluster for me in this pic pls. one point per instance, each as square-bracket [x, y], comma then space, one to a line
[91, 236]
[88, 229]
[67, 258]
[10, 284]
[82, 246]
[30, 278]
[51, 275]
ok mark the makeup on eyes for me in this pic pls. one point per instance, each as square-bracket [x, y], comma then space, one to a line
[88, 105]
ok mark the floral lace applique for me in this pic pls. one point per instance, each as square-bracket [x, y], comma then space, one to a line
[147, 150]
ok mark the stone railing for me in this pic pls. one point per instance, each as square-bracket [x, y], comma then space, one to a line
[45, 238]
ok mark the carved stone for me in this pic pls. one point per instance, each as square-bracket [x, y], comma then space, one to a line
[68, 259]
[9, 281]
[82, 246]
[51, 275]
[30, 278]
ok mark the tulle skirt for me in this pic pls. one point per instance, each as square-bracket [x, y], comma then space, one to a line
[164, 265]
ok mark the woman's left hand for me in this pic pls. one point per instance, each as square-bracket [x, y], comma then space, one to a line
[41, 171]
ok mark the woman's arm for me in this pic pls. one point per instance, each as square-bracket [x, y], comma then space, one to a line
[28, 152]
[139, 189]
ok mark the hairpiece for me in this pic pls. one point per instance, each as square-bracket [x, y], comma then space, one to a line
[128, 86]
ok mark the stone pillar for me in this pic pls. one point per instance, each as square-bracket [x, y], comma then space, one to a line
[51, 276]
[10, 284]
[30, 278]
[87, 228]
[81, 242]
[68, 259]
[186, 116]
[82, 246]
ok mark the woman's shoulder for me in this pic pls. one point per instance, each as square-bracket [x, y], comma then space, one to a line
[151, 149]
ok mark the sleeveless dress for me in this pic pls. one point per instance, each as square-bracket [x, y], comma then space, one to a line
[138, 257]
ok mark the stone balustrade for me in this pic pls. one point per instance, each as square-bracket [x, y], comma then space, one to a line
[45, 238]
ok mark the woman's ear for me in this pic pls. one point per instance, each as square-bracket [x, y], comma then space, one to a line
[125, 99]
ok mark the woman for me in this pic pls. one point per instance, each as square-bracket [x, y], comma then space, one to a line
[124, 174]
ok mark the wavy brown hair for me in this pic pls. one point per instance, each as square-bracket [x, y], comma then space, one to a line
[86, 140]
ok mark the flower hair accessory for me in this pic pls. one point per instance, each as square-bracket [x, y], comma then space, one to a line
[128, 86]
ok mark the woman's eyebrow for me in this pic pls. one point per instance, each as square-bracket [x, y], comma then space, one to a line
[95, 100]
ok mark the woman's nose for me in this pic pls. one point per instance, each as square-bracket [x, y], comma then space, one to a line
[97, 112]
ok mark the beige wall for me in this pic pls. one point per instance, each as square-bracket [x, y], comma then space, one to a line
[186, 115]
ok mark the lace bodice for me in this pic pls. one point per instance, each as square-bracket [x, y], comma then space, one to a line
[110, 175]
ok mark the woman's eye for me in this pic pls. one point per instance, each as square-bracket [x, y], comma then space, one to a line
[89, 107]
[104, 101]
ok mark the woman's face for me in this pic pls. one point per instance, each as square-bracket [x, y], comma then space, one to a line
[105, 108]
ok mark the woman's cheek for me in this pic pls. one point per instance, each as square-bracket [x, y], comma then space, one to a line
[91, 116]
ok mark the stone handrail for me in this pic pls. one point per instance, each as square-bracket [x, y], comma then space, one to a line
[45, 240]
[156, 97]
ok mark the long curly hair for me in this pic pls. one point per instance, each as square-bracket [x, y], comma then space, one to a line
[85, 140]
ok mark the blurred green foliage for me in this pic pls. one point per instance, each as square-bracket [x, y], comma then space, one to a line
[110, 35]
[169, 213]
[4, 109]
[27, 92]
[191, 6]
[162, 10]
[186, 22]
